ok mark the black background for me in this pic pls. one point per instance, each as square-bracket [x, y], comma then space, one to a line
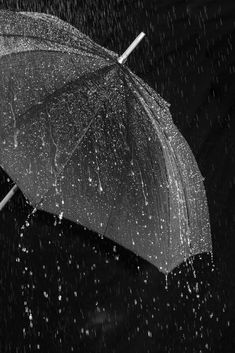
[113, 301]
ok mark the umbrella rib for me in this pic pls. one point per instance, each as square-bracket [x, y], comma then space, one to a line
[127, 169]
[134, 155]
[72, 152]
[69, 158]
[115, 201]
[184, 192]
[179, 172]
[41, 50]
[47, 18]
[160, 101]
[105, 55]
[62, 89]
[136, 95]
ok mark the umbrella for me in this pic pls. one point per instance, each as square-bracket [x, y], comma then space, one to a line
[83, 137]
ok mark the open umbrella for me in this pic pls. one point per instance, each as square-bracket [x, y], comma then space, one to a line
[85, 138]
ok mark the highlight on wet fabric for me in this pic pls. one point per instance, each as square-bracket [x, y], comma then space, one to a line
[86, 139]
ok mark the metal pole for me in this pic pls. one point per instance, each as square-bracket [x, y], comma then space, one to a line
[8, 196]
[124, 56]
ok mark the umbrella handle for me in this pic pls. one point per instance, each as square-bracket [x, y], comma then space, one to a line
[124, 56]
[8, 196]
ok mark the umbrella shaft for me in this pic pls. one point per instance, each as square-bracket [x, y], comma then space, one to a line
[124, 56]
[8, 196]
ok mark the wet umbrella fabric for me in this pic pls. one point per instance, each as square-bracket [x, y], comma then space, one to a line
[85, 138]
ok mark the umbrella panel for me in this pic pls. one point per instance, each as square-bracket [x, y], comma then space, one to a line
[84, 137]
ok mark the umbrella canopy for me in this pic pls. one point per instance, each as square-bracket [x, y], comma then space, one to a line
[86, 139]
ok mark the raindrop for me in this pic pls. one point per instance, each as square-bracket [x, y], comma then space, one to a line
[16, 133]
[61, 215]
[45, 294]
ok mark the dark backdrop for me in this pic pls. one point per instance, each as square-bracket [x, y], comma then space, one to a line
[71, 291]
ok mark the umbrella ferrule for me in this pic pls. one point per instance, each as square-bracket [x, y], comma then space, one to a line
[122, 59]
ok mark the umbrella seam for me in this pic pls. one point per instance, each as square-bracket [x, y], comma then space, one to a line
[47, 51]
[127, 169]
[45, 40]
[55, 93]
[67, 30]
[71, 154]
[179, 172]
[161, 127]
[69, 158]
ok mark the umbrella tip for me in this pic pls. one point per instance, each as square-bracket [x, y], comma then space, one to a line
[131, 47]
